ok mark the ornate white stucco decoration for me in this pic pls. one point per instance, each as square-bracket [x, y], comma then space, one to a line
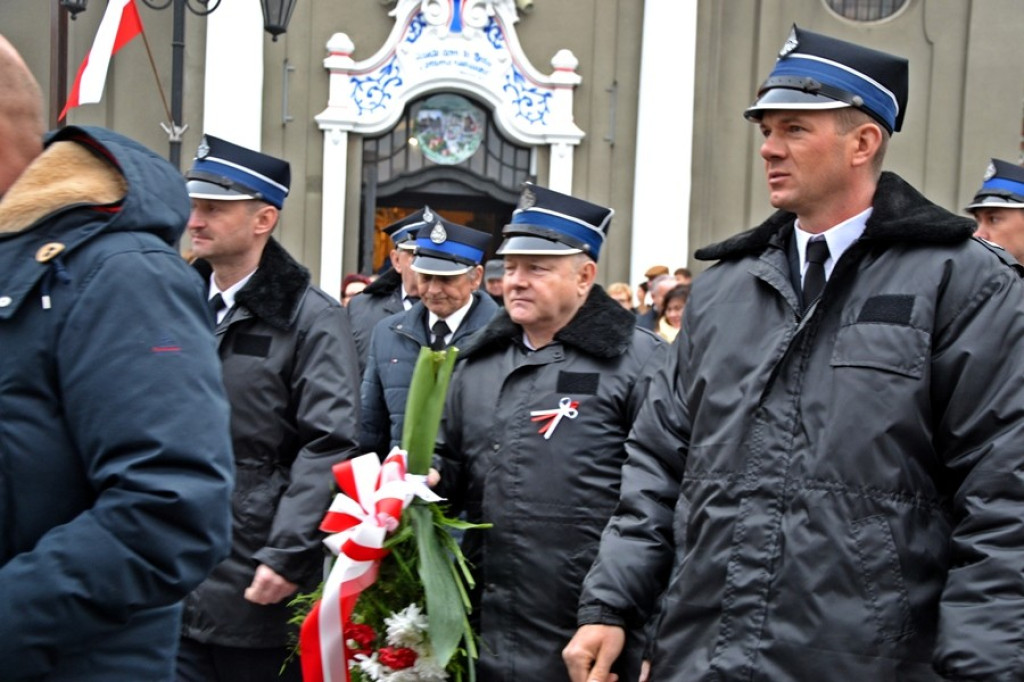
[467, 46]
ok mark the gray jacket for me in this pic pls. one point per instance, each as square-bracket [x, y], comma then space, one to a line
[394, 348]
[382, 298]
[548, 498]
[290, 373]
[850, 479]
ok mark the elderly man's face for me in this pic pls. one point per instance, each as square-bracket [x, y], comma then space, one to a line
[1002, 226]
[444, 294]
[544, 292]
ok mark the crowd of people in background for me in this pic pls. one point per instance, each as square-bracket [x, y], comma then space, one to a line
[807, 462]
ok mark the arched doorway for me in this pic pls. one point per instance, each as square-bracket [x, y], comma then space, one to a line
[445, 152]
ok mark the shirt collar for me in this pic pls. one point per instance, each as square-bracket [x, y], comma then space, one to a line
[839, 238]
[228, 294]
[453, 321]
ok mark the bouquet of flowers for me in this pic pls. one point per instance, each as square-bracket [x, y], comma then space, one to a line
[395, 606]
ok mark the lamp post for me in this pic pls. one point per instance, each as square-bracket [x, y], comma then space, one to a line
[276, 14]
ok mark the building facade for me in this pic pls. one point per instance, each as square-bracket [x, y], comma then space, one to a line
[383, 106]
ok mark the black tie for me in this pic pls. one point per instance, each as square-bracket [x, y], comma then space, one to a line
[216, 305]
[439, 330]
[814, 277]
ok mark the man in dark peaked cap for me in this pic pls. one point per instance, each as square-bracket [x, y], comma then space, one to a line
[395, 290]
[828, 474]
[290, 368]
[532, 438]
[451, 307]
[999, 207]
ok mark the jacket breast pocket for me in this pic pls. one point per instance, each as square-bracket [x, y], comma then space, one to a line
[896, 348]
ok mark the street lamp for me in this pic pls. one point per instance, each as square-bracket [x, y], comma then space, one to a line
[276, 14]
[74, 6]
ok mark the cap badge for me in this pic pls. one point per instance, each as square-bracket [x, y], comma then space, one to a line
[428, 215]
[990, 172]
[791, 44]
[204, 149]
[438, 235]
[528, 199]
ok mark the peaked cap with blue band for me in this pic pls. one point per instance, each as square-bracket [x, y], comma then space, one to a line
[445, 248]
[549, 223]
[1002, 187]
[226, 171]
[403, 232]
[815, 71]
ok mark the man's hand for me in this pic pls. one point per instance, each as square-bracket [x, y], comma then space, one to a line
[433, 477]
[592, 651]
[268, 587]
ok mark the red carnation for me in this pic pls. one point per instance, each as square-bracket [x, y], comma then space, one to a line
[397, 659]
[363, 635]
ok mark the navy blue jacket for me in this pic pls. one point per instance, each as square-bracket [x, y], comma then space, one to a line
[115, 460]
[394, 347]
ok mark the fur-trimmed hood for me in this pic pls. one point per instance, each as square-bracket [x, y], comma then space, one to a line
[275, 290]
[125, 186]
[901, 214]
[601, 327]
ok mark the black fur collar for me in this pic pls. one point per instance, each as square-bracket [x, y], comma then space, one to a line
[275, 290]
[901, 214]
[385, 285]
[601, 327]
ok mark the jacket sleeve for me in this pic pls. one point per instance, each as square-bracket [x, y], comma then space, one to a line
[375, 423]
[449, 459]
[144, 406]
[637, 545]
[977, 366]
[323, 388]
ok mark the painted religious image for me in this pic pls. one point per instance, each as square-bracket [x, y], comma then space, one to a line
[449, 129]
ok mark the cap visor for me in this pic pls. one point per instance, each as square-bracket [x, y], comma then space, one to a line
[428, 265]
[784, 98]
[407, 245]
[524, 245]
[993, 202]
[200, 189]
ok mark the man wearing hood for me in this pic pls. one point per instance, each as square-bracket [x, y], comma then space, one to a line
[115, 461]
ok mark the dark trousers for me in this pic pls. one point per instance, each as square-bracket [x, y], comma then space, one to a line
[198, 662]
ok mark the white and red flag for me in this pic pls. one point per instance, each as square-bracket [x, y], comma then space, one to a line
[119, 25]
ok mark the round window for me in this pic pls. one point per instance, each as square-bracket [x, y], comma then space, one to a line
[449, 128]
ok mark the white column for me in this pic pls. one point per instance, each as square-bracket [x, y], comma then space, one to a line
[560, 167]
[233, 96]
[332, 226]
[335, 121]
[565, 80]
[664, 137]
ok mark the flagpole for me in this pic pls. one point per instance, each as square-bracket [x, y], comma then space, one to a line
[156, 75]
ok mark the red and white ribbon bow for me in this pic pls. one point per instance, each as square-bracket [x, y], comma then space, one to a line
[368, 507]
[566, 408]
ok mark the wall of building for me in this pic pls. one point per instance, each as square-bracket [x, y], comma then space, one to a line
[965, 103]
[966, 90]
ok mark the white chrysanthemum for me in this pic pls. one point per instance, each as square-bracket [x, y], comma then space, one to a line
[407, 627]
[370, 666]
[427, 669]
[406, 675]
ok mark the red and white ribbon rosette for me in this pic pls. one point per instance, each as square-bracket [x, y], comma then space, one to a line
[369, 506]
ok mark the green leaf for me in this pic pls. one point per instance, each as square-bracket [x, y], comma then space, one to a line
[445, 611]
[424, 406]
